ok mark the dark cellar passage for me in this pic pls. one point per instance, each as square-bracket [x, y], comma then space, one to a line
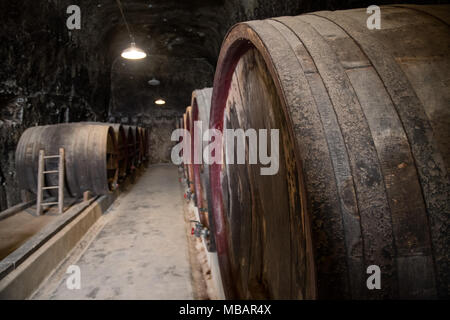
[333, 183]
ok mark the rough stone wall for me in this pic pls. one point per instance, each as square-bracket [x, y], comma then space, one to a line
[45, 77]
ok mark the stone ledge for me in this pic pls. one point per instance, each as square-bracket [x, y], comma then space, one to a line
[23, 270]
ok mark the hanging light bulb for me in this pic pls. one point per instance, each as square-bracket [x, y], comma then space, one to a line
[160, 102]
[133, 53]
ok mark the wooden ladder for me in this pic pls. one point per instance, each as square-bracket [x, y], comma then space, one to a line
[40, 182]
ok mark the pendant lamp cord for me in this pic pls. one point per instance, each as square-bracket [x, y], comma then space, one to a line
[119, 4]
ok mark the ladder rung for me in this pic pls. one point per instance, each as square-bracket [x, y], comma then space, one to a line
[51, 171]
[49, 203]
[53, 187]
[50, 157]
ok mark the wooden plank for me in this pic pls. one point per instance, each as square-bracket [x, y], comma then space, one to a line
[40, 183]
[61, 176]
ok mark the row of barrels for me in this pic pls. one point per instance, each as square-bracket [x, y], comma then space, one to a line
[364, 155]
[197, 175]
[98, 156]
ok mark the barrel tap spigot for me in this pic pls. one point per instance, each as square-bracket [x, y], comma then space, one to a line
[199, 230]
[188, 195]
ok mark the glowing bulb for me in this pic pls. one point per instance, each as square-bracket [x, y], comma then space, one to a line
[154, 82]
[133, 53]
[160, 102]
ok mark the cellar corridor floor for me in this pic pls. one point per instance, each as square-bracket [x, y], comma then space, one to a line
[137, 250]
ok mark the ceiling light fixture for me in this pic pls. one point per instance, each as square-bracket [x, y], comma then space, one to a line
[160, 102]
[154, 82]
[133, 52]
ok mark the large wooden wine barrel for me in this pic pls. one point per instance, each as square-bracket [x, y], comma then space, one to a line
[122, 147]
[138, 146]
[364, 119]
[190, 167]
[185, 165]
[143, 132]
[142, 142]
[131, 141]
[91, 157]
[178, 126]
[121, 139]
[201, 105]
[141, 145]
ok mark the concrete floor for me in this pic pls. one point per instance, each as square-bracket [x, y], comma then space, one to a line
[137, 250]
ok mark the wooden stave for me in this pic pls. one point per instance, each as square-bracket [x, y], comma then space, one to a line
[233, 46]
[185, 165]
[131, 142]
[190, 167]
[138, 146]
[428, 137]
[142, 145]
[218, 99]
[146, 132]
[122, 142]
[122, 145]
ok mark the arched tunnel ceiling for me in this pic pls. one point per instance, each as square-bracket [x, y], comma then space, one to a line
[176, 28]
[181, 38]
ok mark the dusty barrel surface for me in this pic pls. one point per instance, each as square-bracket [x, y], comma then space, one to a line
[122, 145]
[189, 166]
[146, 139]
[145, 144]
[201, 105]
[131, 143]
[138, 149]
[141, 145]
[185, 165]
[363, 119]
[180, 126]
[91, 157]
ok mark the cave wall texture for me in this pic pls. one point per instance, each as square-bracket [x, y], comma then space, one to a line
[49, 74]
[46, 76]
